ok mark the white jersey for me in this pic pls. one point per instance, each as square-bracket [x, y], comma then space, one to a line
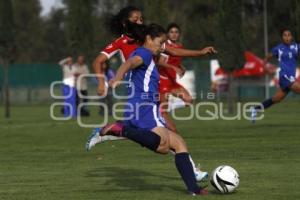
[68, 73]
[81, 70]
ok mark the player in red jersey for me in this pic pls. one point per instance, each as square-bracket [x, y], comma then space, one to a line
[167, 70]
[125, 46]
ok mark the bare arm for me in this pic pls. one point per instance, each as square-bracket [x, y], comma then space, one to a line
[267, 58]
[163, 63]
[98, 70]
[124, 68]
[267, 68]
[64, 61]
[190, 53]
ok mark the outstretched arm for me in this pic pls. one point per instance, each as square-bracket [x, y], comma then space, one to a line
[190, 53]
[124, 68]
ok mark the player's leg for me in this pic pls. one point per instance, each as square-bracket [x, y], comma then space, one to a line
[295, 87]
[177, 91]
[182, 161]
[161, 140]
[164, 106]
[278, 97]
[180, 92]
[200, 175]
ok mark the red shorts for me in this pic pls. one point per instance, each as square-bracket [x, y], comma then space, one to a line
[166, 85]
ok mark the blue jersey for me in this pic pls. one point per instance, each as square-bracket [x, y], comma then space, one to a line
[142, 108]
[287, 56]
[144, 79]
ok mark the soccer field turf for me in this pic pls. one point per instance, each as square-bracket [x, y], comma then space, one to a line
[45, 159]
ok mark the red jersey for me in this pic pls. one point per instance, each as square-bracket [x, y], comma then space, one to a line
[172, 60]
[121, 45]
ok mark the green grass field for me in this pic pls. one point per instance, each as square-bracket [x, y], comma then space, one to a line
[45, 159]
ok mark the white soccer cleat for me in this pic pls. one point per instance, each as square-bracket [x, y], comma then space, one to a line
[93, 139]
[253, 114]
[201, 176]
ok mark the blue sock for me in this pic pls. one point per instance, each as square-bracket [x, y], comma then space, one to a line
[266, 104]
[185, 169]
[144, 137]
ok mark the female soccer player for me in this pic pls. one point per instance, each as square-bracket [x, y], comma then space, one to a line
[125, 45]
[143, 123]
[287, 54]
[167, 71]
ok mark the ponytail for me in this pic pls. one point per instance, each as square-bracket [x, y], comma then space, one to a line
[138, 32]
[116, 22]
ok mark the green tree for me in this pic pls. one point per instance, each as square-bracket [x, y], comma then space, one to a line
[80, 30]
[6, 46]
[29, 31]
[55, 36]
[229, 39]
[229, 35]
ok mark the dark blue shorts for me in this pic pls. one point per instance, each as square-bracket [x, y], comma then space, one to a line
[285, 82]
[143, 114]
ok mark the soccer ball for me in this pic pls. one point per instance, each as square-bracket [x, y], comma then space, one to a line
[225, 179]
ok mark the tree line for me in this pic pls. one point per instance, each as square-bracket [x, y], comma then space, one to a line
[79, 27]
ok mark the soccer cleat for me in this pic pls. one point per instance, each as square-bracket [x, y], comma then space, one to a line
[202, 192]
[201, 176]
[93, 139]
[253, 114]
[114, 129]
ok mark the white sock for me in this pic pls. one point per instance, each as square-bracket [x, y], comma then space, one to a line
[111, 138]
[172, 152]
[177, 103]
[193, 164]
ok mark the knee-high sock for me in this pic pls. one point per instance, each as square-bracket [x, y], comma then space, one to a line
[144, 137]
[185, 169]
[177, 103]
[266, 104]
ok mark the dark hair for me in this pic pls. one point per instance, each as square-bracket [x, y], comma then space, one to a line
[173, 25]
[138, 32]
[116, 22]
[285, 29]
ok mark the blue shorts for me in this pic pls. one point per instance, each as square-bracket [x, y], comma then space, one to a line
[143, 114]
[285, 82]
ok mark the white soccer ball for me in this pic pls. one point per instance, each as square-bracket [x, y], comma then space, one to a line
[225, 179]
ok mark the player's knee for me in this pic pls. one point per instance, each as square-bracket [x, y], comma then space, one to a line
[188, 99]
[278, 98]
[164, 146]
[177, 143]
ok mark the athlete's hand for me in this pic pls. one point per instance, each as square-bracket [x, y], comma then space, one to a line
[209, 50]
[113, 83]
[101, 89]
[179, 71]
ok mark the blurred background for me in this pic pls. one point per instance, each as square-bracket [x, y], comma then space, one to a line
[37, 34]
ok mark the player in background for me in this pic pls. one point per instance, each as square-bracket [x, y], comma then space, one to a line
[81, 69]
[69, 87]
[146, 126]
[125, 45]
[168, 67]
[287, 53]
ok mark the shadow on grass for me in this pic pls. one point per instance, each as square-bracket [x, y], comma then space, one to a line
[124, 179]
